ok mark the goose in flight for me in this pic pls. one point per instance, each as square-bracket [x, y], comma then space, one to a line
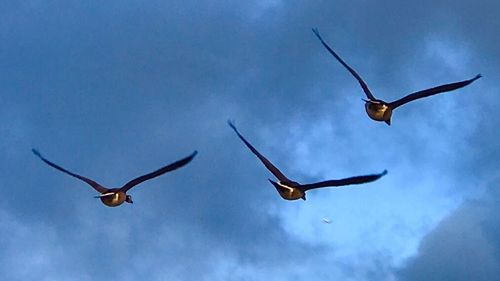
[292, 190]
[113, 197]
[380, 110]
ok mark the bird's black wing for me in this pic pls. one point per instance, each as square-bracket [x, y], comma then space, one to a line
[367, 91]
[275, 171]
[432, 91]
[95, 185]
[158, 172]
[342, 182]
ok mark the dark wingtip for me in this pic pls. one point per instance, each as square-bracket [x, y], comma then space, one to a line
[190, 157]
[231, 124]
[388, 122]
[316, 32]
[36, 152]
[477, 77]
[383, 173]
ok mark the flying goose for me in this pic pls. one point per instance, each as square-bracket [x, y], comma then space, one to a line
[380, 110]
[292, 190]
[113, 197]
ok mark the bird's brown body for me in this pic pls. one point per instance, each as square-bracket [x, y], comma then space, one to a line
[113, 200]
[290, 193]
[378, 111]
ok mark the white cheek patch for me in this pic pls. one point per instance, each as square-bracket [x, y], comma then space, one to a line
[285, 186]
[108, 194]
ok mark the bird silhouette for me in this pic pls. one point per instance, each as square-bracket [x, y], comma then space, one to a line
[113, 197]
[380, 110]
[292, 190]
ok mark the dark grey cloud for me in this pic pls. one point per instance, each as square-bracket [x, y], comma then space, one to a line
[464, 246]
[93, 86]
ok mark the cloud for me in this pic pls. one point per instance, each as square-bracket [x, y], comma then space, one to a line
[115, 90]
[464, 246]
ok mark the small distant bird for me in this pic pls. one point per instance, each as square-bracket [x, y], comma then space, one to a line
[380, 110]
[113, 197]
[325, 220]
[292, 190]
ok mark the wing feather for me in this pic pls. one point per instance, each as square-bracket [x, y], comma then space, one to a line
[361, 82]
[275, 171]
[432, 91]
[95, 185]
[158, 172]
[343, 182]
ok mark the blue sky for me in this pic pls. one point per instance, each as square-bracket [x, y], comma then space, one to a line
[114, 90]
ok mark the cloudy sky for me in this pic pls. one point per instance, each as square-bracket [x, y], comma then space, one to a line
[116, 89]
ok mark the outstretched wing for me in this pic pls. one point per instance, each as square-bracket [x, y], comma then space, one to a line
[342, 182]
[158, 172]
[432, 91]
[369, 94]
[95, 185]
[275, 171]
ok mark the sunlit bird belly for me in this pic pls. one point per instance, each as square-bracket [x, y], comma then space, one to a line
[378, 112]
[114, 199]
[290, 193]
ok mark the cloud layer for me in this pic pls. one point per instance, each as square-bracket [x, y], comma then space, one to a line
[116, 90]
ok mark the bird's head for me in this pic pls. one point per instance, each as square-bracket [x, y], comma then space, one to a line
[128, 199]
